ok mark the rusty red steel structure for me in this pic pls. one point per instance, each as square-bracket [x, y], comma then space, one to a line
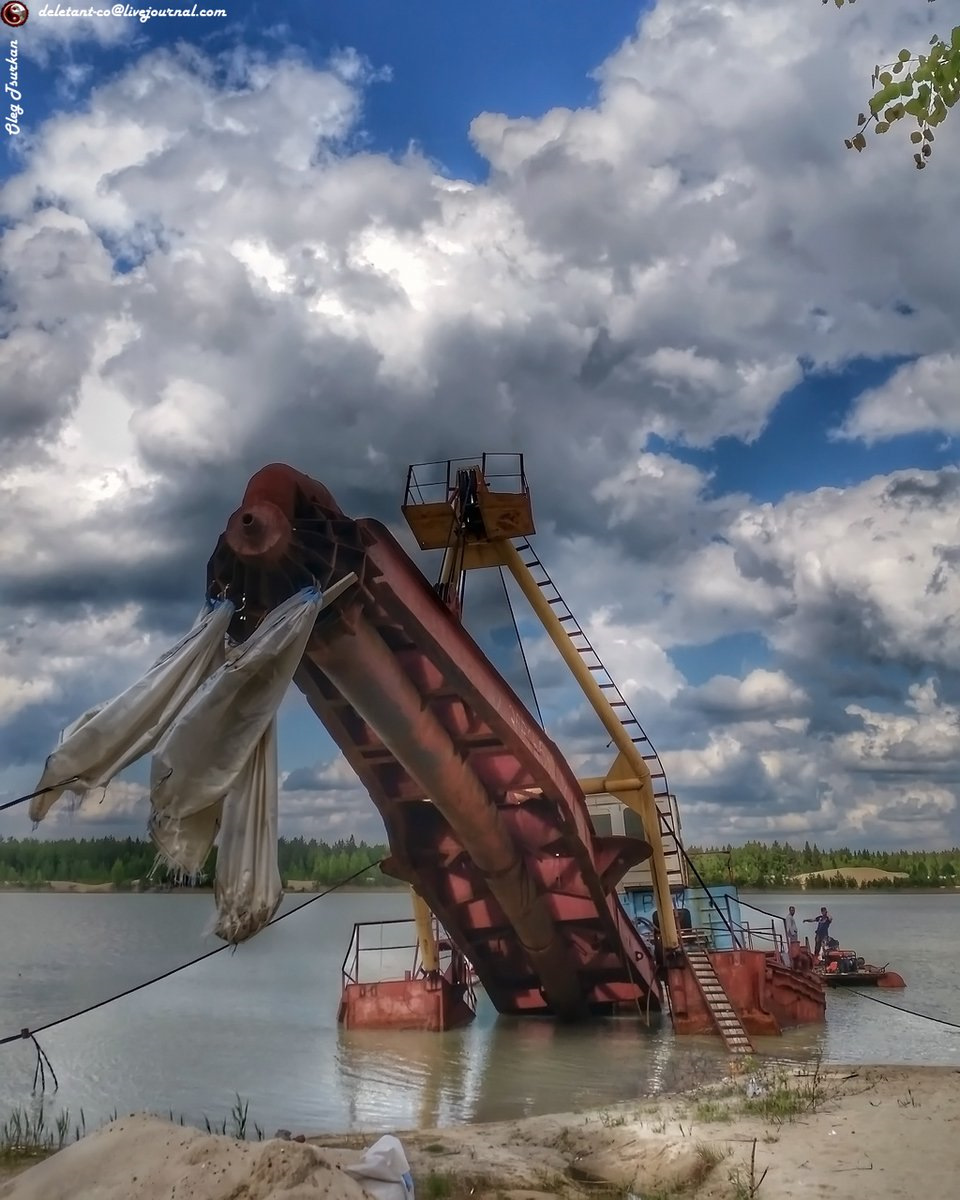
[483, 815]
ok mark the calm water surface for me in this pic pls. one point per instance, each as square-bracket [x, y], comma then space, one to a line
[261, 1022]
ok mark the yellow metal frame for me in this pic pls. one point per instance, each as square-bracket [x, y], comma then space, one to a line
[628, 779]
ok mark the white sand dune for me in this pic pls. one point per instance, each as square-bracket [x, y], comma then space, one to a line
[145, 1158]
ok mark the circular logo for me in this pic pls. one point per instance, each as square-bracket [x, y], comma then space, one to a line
[14, 14]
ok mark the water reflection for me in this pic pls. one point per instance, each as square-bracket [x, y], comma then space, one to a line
[263, 1022]
[504, 1069]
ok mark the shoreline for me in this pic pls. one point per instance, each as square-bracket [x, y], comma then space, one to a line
[770, 1132]
[68, 887]
[302, 887]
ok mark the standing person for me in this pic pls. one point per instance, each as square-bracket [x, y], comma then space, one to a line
[823, 928]
[793, 938]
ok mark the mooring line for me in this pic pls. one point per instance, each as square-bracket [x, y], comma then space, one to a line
[44, 1064]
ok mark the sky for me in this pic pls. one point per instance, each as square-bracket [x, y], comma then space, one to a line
[623, 239]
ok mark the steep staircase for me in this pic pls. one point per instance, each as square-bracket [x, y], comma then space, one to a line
[676, 874]
[735, 1037]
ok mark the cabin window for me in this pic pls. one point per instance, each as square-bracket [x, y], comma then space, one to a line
[632, 825]
[602, 824]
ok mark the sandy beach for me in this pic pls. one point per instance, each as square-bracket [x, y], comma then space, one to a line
[769, 1132]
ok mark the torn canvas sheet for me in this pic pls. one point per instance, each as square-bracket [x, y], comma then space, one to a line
[201, 756]
[203, 771]
[248, 888]
[108, 738]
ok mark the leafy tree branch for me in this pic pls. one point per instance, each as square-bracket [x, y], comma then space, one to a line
[923, 86]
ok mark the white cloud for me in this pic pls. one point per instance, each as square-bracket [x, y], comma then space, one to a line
[658, 263]
[45, 38]
[759, 692]
[924, 739]
[919, 397]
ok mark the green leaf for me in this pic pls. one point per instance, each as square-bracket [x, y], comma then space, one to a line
[886, 78]
[881, 127]
[904, 56]
[916, 136]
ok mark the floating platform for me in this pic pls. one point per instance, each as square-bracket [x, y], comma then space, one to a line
[431, 1001]
[427, 1003]
[766, 995]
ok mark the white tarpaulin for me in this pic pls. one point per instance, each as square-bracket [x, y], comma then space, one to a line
[216, 770]
[210, 719]
[108, 738]
[248, 888]
[201, 756]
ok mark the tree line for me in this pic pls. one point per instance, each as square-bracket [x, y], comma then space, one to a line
[762, 865]
[30, 862]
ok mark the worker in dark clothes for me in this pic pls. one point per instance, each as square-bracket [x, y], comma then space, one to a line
[823, 928]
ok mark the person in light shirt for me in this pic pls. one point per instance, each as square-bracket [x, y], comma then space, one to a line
[793, 937]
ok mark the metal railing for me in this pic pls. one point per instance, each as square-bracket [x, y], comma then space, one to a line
[371, 942]
[432, 482]
[745, 936]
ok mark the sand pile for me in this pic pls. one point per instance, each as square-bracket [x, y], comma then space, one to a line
[145, 1158]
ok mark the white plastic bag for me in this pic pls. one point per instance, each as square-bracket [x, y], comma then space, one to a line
[248, 888]
[108, 738]
[384, 1171]
[201, 757]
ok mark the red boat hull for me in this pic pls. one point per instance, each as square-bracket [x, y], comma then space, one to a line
[766, 995]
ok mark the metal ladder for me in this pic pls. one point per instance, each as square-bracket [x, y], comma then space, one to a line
[729, 1025]
[676, 874]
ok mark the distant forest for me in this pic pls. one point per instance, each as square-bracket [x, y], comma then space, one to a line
[31, 862]
[122, 862]
[758, 865]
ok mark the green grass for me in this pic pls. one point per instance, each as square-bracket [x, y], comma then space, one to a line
[711, 1112]
[35, 1132]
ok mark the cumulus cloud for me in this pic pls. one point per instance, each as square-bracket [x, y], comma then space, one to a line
[46, 38]
[925, 739]
[920, 397]
[205, 269]
[760, 693]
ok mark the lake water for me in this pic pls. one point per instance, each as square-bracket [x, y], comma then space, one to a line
[261, 1022]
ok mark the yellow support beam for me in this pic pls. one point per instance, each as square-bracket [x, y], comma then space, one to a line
[596, 785]
[429, 954]
[646, 805]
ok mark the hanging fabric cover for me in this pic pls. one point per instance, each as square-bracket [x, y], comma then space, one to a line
[215, 770]
[247, 887]
[108, 738]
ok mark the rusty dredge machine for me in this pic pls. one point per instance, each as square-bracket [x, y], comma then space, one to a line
[523, 877]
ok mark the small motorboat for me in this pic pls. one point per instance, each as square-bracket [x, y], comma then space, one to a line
[845, 968]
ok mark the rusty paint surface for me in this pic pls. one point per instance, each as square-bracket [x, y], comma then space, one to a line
[483, 815]
[766, 995]
[431, 1004]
